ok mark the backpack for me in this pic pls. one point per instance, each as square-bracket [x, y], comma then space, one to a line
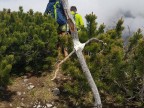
[55, 8]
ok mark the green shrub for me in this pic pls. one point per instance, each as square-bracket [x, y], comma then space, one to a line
[31, 38]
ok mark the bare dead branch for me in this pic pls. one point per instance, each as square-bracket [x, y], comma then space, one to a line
[78, 46]
[96, 40]
[59, 64]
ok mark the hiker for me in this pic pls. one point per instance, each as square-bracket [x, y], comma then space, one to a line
[77, 17]
[55, 9]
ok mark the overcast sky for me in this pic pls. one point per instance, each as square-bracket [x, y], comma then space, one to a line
[107, 11]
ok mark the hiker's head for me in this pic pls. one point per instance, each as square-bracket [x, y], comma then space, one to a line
[73, 8]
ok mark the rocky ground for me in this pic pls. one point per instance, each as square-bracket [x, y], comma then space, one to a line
[31, 91]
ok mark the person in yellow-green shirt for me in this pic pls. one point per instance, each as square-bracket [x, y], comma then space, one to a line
[77, 17]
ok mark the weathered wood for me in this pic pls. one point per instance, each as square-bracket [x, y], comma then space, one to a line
[59, 64]
[78, 46]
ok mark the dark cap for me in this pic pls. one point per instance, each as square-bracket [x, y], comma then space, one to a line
[73, 8]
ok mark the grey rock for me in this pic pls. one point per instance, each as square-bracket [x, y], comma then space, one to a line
[19, 93]
[22, 99]
[49, 105]
[52, 103]
[30, 87]
[30, 84]
[56, 91]
[39, 106]
[25, 77]
[10, 105]
[25, 80]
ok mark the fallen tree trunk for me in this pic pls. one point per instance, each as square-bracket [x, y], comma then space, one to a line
[78, 47]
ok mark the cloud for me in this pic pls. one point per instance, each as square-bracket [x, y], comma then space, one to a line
[132, 11]
[127, 14]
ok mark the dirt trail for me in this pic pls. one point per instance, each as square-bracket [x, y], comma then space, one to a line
[26, 91]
